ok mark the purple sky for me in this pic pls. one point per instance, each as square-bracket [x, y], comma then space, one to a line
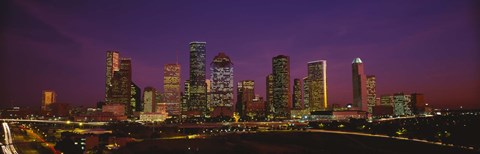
[429, 47]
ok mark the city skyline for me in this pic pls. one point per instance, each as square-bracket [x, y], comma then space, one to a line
[403, 64]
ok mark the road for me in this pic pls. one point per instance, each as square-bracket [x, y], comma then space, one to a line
[8, 148]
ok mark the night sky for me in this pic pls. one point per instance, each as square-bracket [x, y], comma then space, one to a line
[430, 47]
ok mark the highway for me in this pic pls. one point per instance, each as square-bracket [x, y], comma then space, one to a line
[8, 148]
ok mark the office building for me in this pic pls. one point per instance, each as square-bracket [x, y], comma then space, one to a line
[359, 81]
[171, 87]
[149, 99]
[198, 88]
[371, 92]
[48, 98]
[402, 104]
[297, 94]
[317, 84]
[282, 98]
[221, 81]
[112, 65]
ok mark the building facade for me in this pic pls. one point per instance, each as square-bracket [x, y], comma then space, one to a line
[359, 81]
[120, 92]
[198, 89]
[402, 104]
[136, 98]
[149, 99]
[297, 94]
[317, 84]
[221, 81]
[112, 65]
[282, 98]
[306, 95]
[245, 96]
[171, 87]
[269, 94]
[48, 98]
[371, 92]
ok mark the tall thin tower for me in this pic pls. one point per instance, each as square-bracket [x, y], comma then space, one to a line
[198, 87]
[112, 65]
[282, 98]
[317, 84]
[359, 81]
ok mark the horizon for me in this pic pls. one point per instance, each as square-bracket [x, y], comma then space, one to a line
[405, 48]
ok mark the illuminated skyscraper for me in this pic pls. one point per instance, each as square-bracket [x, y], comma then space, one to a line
[306, 90]
[359, 85]
[48, 98]
[245, 96]
[198, 87]
[149, 99]
[221, 81]
[112, 65]
[185, 96]
[171, 86]
[136, 98]
[120, 92]
[282, 98]
[209, 94]
[297, 94]
[371, 92]
[317, 85]
[386, 100]
[269, 92]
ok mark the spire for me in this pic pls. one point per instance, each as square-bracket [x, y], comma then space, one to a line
[357, 60]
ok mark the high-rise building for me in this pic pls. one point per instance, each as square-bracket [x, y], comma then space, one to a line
[208, 82]
[418, 103]
[282, 98]
[306, 95]
[245, 96]
[171, 87]
[48, 98]
[136, 98]
[185, 96]
[120, 92]
[297, 94]
[402, 104]
[371, 92]
[221, 81]
[269, 92]
[112, 65]
[149, 100]
[317, 84]
[359, 80]
[198, 87]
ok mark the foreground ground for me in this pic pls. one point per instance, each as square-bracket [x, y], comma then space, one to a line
[287, 142]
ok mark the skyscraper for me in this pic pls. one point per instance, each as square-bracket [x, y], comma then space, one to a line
[198, 87]
[306, 95]
[269, 92]
[359, 85]
[120, 92]
[136, 98]
[317, 84]
[112, 65]
[185, 96]
[48, 98]
[282, 98]
[297, 94]
[371, 92]
[149, 99]
[245, 96]
[171, 87]
[221, 81]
